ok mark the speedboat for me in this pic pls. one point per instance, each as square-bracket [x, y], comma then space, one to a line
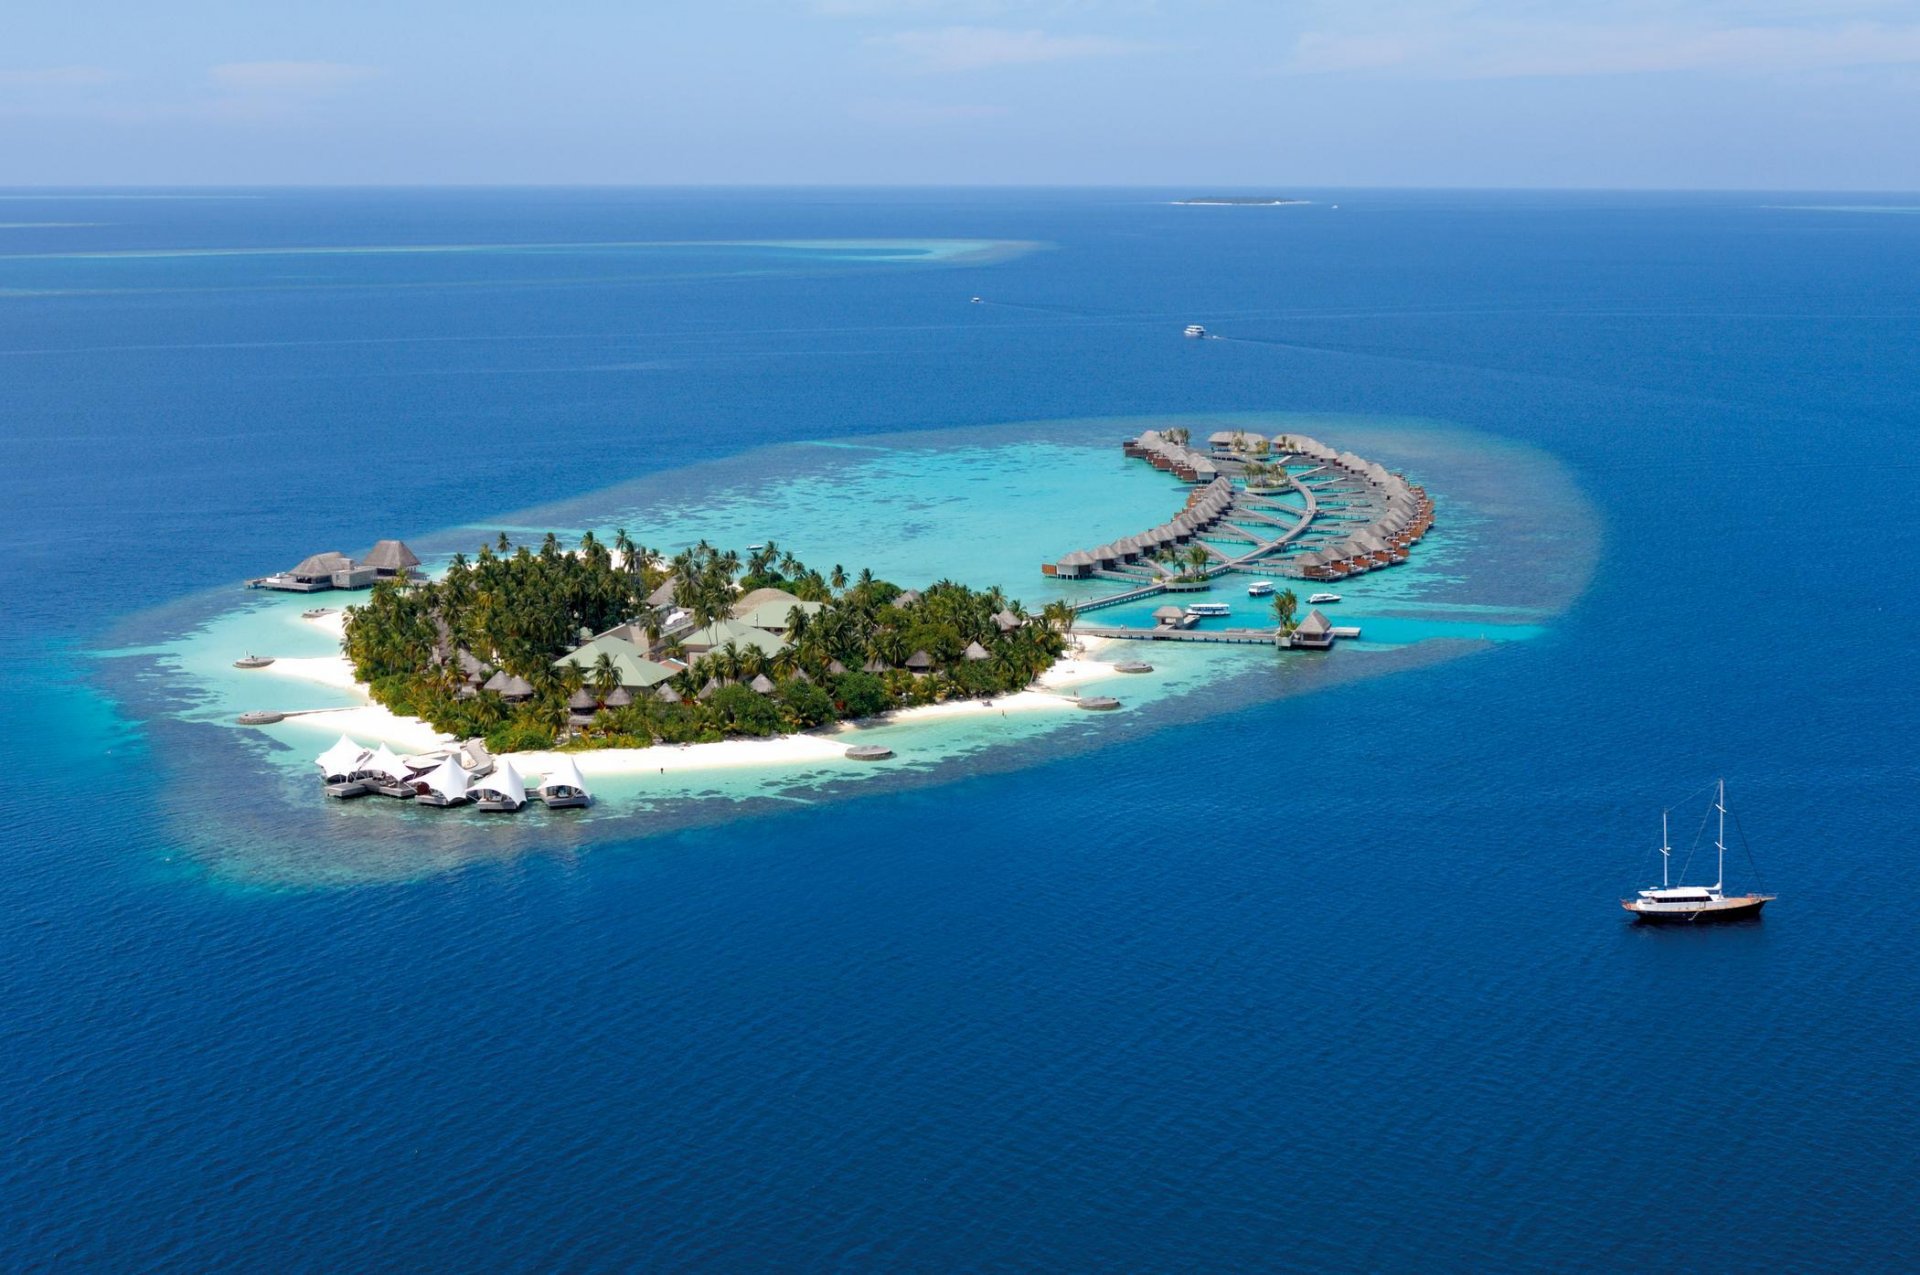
[1195, 330]
[1322, 599]
[253, 661]
[1209, 610]
[1260, 588]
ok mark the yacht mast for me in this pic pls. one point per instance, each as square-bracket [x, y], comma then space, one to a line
[1720, 837]
[1666, 851]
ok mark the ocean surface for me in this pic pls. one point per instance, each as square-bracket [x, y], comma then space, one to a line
[1273, 969]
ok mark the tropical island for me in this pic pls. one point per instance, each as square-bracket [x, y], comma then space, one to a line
[617, 646]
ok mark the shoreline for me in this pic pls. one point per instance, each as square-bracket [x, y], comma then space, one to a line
[374, 723]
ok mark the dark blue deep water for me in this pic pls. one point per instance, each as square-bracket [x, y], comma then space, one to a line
[1094, 1014]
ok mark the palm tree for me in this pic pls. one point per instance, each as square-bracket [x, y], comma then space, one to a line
[839, 578]
[1284, 605]
[606, 677]
[1197, 556]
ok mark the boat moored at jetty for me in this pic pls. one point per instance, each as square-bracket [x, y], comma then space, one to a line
[1209, 610]
[1670, 904]
[564, 789]
[1260, 589]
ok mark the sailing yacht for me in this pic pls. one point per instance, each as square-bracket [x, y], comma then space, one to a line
[1670, 903]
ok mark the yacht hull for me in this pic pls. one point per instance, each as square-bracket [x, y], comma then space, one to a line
[1744, 908]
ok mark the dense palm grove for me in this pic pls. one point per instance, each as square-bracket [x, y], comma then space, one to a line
[518, 610]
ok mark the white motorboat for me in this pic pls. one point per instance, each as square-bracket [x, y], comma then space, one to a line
[1260, 589]
[1209, 610]
[1195, 330]
[1322, 599]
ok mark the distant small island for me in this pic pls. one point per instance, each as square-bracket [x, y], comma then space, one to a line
[1249, 201]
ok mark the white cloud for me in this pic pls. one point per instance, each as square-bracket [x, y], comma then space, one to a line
[55, 77]
[977, 48]
[1507, 49]
[287, 77]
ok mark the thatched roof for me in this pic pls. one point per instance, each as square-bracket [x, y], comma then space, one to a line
[662, 596]
[761, 684]
[759, 598]
[1006, 621]
[582, 698]
[919, 661]
[666, 694]
[1167, 613]
[1315, 625]
[874, 665]
[509, 686]
[907, 598]
[836, 668]
[976, 652]
[390, 555]
[322, 564]
[620, 697]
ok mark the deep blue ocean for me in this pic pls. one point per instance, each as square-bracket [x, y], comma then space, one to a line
[1334, 982]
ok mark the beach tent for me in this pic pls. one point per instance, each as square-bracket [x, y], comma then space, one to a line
[503, 784]
[341, 760]
[563, 775]
[447, 779]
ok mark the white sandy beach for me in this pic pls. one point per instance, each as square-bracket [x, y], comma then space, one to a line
[373, 724]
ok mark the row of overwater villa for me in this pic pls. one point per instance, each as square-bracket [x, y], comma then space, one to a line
[457, 777]
[1289, 505]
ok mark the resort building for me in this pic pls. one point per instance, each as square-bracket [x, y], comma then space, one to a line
[389, 558]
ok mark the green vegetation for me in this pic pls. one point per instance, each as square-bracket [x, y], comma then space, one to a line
[427, 649]
[1285, 603]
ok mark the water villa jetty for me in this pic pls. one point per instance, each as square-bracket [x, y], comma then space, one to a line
[1283, 506]
[387, 560]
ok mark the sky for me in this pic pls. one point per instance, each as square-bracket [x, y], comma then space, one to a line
[1227, 94]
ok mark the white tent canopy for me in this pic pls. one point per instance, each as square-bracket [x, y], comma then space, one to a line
[504, 782]
[341, 760]
[563, 775]
[447, 779]
[385, 763]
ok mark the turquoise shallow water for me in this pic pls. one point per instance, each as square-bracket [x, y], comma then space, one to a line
[1319, 966]
[986, 506]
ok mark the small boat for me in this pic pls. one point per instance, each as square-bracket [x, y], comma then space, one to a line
[1209, 610]
[1195, 330]
[1322, 599]
[502, 791]
[564, 789]
[316, 613]
[755, 548]
[979, 301]
[253, 661]
[1260, 589]
[869, 752]
[1669, 903]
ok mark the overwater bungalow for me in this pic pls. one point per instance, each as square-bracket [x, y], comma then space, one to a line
[563, 788]
[444, 785]
[389, 558]
[1171, 617]
[503, 791]
[1315, 632]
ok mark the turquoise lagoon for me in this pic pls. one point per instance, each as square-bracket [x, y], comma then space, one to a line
[1513, 546]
